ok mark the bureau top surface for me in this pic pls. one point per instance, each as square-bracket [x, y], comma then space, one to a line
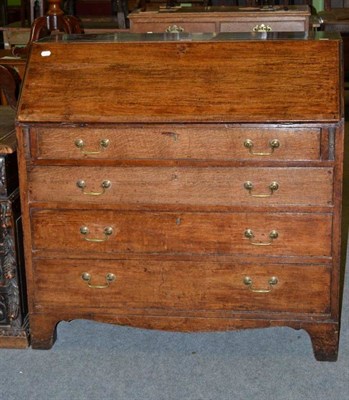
[227, 77]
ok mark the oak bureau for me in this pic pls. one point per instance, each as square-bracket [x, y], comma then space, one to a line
[184, 182]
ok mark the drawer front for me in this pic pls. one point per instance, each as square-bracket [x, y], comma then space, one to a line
[161, 142]
[182, 185]
[181, 285]
[165, 26]
[269, 234]
[260, 25]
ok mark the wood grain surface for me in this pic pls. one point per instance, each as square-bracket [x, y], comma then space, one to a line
[183, 81]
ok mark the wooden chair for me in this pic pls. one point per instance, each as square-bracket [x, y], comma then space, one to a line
[10, 83]
[54, 21]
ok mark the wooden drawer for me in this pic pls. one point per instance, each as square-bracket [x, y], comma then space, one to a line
[218, 19]
[298, 234]
[161, 142]
[235, 25]
[163, 26]
[181, 285]
[182, 185]
[274, 25]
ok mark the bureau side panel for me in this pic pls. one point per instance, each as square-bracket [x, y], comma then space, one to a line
[23, 158]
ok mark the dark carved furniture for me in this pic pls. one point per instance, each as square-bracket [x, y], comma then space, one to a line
[184, 182]
[13, 312]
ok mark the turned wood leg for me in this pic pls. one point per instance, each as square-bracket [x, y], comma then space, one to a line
[325, 340]
[42, 331]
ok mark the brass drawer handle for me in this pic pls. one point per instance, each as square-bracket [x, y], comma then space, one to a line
[250, 236]
[262, 28]
[273, 187]
[106, 232]
[81, 184]
[85, 276]
[273, 144]
[174, 29]
[271, 282]
[80, 144]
